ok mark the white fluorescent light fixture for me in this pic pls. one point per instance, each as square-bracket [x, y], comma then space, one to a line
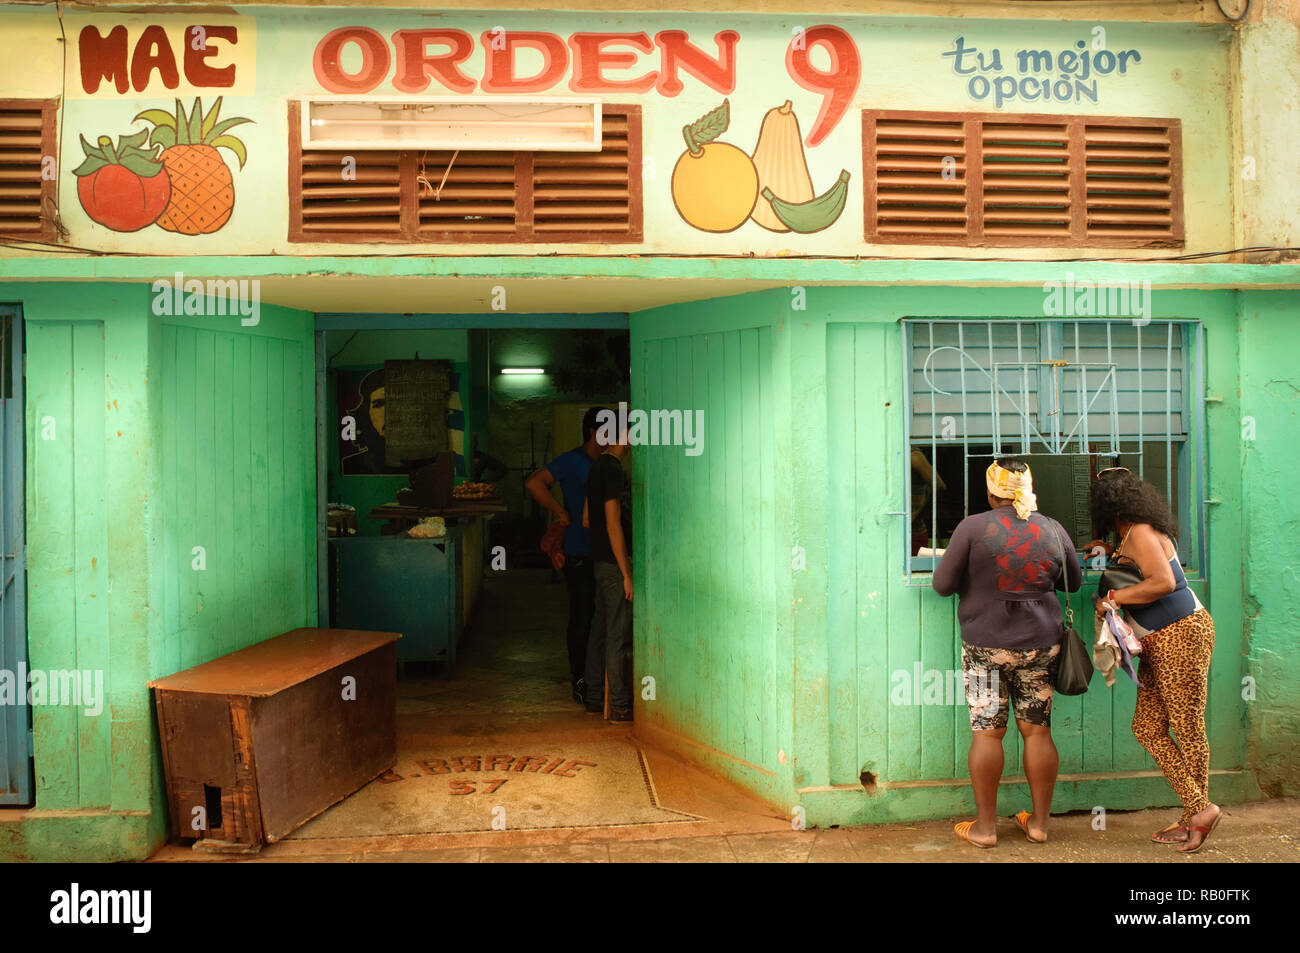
[477, 123]
[523, 370]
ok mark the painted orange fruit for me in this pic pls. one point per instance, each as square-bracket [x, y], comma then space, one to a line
[715, 190]
[715, 185]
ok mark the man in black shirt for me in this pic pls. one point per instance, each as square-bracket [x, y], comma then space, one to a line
[608, 513]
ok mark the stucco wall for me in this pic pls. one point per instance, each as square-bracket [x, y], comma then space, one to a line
[1182, 73]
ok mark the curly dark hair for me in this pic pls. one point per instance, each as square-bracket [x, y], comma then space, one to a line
[1122, 495]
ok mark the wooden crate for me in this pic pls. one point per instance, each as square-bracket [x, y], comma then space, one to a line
[260, 741]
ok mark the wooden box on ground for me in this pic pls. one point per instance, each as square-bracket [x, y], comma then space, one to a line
[258, 742]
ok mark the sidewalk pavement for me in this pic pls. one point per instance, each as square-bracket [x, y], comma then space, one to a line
[1262, 831]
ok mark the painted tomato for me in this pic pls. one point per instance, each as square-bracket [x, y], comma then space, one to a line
[123, 188]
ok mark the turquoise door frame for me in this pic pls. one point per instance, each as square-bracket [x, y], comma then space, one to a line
[15, 716]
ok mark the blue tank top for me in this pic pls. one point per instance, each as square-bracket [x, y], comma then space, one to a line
[1179, 604]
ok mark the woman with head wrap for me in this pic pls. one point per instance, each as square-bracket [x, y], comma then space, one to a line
[1005, 565]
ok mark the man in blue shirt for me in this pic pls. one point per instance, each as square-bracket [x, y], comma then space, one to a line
[571, 469]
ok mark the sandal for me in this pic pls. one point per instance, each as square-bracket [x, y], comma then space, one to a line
[1174, 828]
[962, 830]
[1023, 820]
[1203, 830]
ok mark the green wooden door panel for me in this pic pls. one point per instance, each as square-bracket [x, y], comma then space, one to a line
[68, 552]
[705, 619]
[238, 480]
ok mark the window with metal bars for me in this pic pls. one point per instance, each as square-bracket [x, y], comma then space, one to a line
[467, 197]
[980, 179]
[28, 135]
[1070, 398]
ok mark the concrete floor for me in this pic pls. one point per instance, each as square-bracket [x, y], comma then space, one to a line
[511, 693]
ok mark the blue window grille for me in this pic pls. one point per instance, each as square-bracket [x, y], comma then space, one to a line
[1071, 398]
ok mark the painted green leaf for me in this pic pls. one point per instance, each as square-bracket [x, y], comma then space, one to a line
[161, 118]
[210, 120]
[234, 145]
[221, 127]
[182, 125]
[92, 164]
[196, 121]
[92, 151]
[708, 127]
[141, 165]
[135, 140]
[162, 136]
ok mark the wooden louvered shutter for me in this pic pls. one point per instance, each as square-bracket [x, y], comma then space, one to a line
[1134, 181]
[478, 201]
[592, 196]
[1013, 180]
[339, 196]
[485, 196]
[916, 179]
[1026, 183]
[27, 135]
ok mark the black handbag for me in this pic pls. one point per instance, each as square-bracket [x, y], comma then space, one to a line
[1120, 573]
[1074, 664]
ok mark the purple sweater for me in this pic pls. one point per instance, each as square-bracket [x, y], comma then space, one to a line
[1006, 571]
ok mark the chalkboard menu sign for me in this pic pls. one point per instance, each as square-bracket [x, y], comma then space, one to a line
[415, 410]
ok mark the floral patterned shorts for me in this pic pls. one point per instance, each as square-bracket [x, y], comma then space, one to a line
[1002, 681]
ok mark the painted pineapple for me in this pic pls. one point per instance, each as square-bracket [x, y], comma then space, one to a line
[203, 193]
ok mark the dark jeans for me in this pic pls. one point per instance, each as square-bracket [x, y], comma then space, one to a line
[581, 583]
[610, 647]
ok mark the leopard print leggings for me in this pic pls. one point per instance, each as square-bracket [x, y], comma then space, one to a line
[1174, 671]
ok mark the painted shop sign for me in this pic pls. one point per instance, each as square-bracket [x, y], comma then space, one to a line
[1067, 75]
[592, 63]
[152, 57]
[157, 56]
[748, 127]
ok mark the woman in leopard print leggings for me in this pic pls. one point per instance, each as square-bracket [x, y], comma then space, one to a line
[1177, 636]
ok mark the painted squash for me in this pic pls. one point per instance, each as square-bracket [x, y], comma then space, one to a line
[781, 166]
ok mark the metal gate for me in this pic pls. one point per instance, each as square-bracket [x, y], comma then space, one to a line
[15, 717]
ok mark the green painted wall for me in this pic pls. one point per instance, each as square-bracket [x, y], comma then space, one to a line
[148, 436]
[1269, 455]
[876, 624]
[849, 619]
[237, 477]
[176, 432]
[89, 518]
[711, 577]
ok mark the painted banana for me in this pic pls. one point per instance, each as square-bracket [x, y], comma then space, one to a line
[816, 213]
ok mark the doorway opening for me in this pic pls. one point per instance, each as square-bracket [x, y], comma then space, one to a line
[430, 528]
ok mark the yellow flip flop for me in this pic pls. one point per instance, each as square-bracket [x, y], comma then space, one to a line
[1023, 820]
[962, 830]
